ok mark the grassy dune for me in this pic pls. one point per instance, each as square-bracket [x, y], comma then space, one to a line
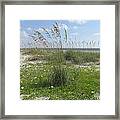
[76, 77]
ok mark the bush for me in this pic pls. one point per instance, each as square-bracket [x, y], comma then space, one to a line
[69, 55]
[58, 76]
[79, 57]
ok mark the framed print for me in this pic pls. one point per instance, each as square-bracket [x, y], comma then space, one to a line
[60, 60]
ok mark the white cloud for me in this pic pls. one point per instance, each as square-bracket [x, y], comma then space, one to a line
[29, 28]
[23, 34]
[74, 34]
[96, 34]
[24, 38]
[75, 27]
[42, 30]
[80, 22]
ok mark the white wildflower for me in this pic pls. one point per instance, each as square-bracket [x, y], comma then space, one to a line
[92, 91]
[22, 87]
[51, 86]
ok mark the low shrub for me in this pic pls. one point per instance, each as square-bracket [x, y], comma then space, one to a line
[69, 55]
[58, 76]
[79, 57]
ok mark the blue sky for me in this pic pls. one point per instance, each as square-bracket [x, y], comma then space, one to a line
[81, 33]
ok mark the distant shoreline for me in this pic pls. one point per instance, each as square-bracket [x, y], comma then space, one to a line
[83, 49]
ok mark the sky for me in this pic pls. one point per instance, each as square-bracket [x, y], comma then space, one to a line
[80, 33]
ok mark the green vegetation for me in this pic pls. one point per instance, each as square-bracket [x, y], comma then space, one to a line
[61, 80]
[82, 57]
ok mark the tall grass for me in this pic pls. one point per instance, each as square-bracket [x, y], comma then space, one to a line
[56, 59]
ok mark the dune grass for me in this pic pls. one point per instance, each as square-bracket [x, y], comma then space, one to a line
[82, 84]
